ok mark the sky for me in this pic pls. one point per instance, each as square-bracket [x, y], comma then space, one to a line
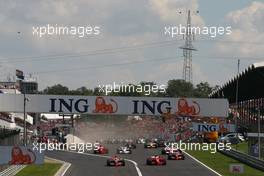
[131, 46]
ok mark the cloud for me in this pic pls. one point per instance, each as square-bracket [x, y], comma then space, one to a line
[122, 24]
[247, 26]
[165, 71]
[5, 70]
[173, 70]
[169, 11]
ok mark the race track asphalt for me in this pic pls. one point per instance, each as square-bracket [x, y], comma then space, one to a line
[90, 165]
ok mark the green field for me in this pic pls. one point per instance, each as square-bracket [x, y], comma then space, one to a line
[242, 147]
[220, 163]
[47, 169]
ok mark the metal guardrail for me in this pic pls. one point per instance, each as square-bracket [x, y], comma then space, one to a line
[244, 158]
[12, 170]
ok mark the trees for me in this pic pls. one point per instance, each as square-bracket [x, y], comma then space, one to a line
[57, 89]
[202, 90]
[82, 91]
[179, 88]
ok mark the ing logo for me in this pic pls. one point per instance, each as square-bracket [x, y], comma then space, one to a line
[102, 107]
[184, 109]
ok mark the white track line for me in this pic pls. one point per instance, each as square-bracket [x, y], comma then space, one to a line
[136, 166]
[66, 169]
[65, 164]
[104, 156]
[202, 164]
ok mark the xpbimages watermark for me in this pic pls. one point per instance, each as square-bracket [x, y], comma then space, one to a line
[78, 147]
[146, 89]
[59, 30]
[212, 31]
[211, 147]
[170, 147]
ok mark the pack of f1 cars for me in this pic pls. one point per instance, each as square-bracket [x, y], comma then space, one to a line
[124, 150]
[178, 155]
[156, 160]
[100, 150]
[115, 161]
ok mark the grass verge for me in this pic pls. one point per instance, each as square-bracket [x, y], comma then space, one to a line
[47, 169]
[220, 163]
[242, 147]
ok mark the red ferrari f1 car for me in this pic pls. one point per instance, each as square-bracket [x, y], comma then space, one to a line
[115, 161]
[100, 150]
[156, 160]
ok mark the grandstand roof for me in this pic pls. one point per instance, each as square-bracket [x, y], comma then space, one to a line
[56, 116]
[250, 85]
[10, 91]
[21, 117]
[5, 124]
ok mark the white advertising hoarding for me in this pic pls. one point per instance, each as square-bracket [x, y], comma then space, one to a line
[209, 127]
[114, 105]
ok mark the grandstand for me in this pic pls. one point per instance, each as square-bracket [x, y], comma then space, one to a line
[11, 124]
[249, 108]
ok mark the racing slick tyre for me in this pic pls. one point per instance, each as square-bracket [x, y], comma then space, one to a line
[151, 163]
[148, 162]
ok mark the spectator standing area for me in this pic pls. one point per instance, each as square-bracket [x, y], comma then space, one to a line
[249, 109]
